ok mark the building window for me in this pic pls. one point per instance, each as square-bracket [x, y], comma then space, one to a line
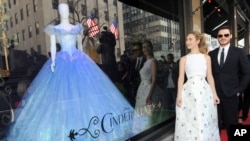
[37, 27]
[106, 15]
[21, 14]
[5, 8]
[23, 33]
[16, 18]
[11, 22]
[14, 1]
[55, 4]
[17, 37]
[30, 31]
[6, 25]
[84, 9]
[115, 2]
[35, 5]
[28, 9]
[96, 13]
[9, 4]
[39, 49]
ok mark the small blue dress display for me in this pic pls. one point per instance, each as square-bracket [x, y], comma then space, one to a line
[75, 102]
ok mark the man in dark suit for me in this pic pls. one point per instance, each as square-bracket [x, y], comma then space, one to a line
[231, 71]
[134, 72]
[138, 54]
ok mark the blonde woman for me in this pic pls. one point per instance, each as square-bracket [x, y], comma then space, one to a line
[196, 105]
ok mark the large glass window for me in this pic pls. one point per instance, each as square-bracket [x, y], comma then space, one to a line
[32, 50]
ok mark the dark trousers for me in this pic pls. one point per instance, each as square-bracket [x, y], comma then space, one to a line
[227, 110]
[244, 104]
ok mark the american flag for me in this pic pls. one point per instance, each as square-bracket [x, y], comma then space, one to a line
[92, 25]
[114, 29]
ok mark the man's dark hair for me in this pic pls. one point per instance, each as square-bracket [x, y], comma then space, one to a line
[171, 55]
[225, 27]
[108, 38]
[139, 44]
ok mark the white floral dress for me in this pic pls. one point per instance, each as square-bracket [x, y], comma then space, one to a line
[196, 119]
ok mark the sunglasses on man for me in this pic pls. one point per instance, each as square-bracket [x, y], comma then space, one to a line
[221, 35]
[135, 50]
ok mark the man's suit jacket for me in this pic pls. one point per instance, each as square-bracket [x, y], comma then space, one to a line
[234, 76]
[136, 73]
[141, 64]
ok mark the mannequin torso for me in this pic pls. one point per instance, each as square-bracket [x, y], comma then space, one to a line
[65, 33]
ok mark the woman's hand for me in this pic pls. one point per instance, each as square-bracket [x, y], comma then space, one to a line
[216, 100]
[179, 101]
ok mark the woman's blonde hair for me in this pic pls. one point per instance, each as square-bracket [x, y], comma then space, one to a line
[202, 45]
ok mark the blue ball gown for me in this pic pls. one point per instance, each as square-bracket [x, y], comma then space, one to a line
[75, 102]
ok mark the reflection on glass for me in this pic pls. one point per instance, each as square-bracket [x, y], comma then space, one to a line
[26, 61]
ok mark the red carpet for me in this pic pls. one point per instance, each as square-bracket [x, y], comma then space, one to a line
[223, 136]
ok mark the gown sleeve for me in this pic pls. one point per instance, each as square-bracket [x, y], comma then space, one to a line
[78, 29]
[49, 29]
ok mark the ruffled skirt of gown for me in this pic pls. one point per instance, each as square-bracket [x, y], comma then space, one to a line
[75, 102]
[196, 119]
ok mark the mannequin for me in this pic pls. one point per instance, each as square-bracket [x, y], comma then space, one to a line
[63, 9]
[71, 98]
